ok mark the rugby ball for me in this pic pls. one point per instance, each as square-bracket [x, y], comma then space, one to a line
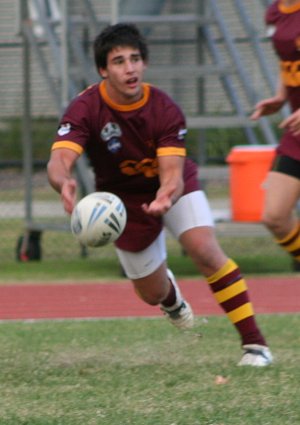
[98, 219]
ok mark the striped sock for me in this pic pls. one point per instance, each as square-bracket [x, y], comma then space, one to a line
[230, 290]
[291, 242]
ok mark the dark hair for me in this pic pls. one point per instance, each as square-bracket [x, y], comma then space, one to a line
[118, 35]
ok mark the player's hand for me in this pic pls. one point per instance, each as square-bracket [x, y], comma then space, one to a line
[292, 123]
[69, 195]
[267, 107]
[158, 207]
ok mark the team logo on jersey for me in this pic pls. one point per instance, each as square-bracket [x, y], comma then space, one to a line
[110, 130]
[181, 133]
[113, 145]
[147, 166]
[271, 29]
[110, 134]
[64, 129]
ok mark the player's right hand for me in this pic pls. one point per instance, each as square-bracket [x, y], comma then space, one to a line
[267, 107]
[69, 194]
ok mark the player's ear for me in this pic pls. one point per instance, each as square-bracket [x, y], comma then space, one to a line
[102, 72]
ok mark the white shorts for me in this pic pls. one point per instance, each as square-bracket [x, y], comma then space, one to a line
[191, 210]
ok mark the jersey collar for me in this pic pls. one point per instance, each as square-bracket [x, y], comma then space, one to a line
[288, 9]
[125, 108]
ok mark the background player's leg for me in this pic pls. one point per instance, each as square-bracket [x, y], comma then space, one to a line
[279, 216]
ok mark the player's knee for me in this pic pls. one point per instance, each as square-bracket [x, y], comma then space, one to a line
[273, 220]
[208, 257]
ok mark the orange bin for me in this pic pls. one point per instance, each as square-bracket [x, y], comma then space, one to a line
[248, 167]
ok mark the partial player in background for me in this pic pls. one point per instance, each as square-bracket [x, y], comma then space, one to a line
[134, 136]
[283, 181]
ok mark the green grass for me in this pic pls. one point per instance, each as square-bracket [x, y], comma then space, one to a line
[145, 372]
[102, 263]
[54, 270]
[61, 257]
[88, 269]
[43, 129]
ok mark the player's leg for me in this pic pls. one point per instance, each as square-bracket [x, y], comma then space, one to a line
[154, 283]
[230, 291]
[282, 195]
[196, 234]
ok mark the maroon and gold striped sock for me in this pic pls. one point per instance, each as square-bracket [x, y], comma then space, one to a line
[230, 291]
[291, 242]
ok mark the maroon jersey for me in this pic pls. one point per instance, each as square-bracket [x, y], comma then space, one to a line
[123, 143]
[284, 22]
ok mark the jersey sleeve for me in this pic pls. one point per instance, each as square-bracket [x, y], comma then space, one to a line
[73, 130]
[172, 130]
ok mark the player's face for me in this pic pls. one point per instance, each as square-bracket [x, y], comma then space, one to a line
[124, 74]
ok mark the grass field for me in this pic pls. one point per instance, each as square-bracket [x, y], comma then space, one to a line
[145, 372]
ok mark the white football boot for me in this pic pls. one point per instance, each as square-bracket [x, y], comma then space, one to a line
[256, 355]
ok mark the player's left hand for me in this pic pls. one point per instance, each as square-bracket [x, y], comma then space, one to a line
[292, 123]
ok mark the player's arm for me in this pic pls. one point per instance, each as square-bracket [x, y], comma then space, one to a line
[171, 185]
[271, 105]
[60, 177]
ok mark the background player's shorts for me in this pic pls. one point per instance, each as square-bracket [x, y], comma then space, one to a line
[287, 165]
[191, 210]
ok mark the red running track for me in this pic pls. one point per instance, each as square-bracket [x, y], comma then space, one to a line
[117, 299]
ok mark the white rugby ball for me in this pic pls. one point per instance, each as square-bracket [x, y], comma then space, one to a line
[98, 219]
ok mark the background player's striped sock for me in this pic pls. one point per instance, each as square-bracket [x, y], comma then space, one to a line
[291, 242]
